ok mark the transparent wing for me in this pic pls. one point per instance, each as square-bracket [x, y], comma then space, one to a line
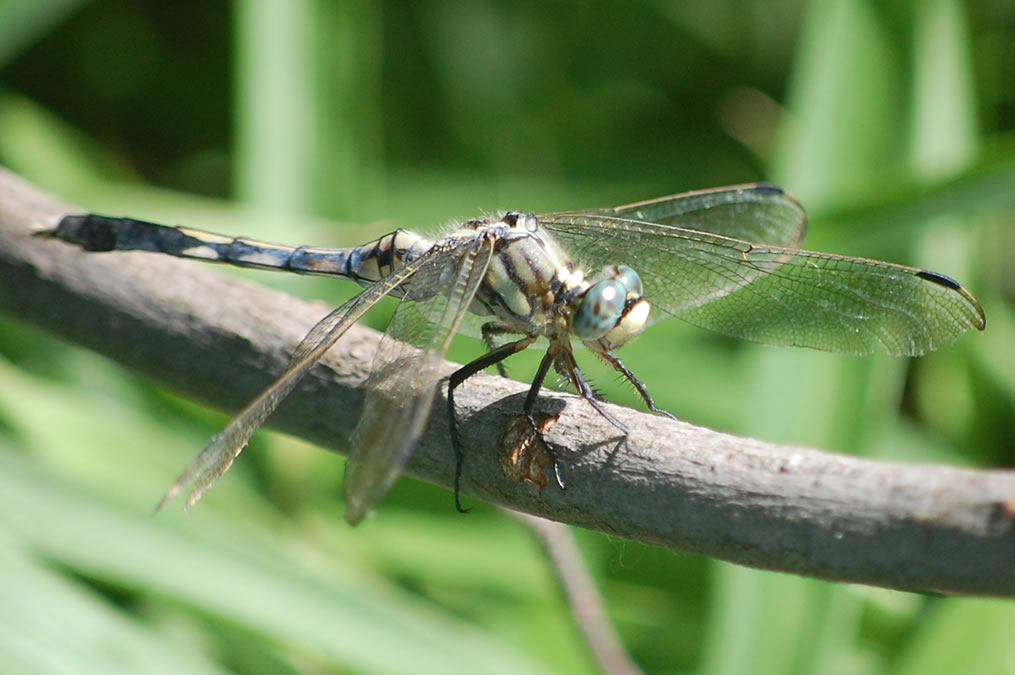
[758, 212]
[400, 391]
[216, 458]
[776, 295]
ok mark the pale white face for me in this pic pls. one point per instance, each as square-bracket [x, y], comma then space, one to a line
[631, 324]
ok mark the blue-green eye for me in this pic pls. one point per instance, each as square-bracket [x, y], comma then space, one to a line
[630, 279]
[601, 308]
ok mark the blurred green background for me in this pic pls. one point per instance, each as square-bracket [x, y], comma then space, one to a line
[892, 121]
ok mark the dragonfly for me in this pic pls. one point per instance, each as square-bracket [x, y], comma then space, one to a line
[725, 259]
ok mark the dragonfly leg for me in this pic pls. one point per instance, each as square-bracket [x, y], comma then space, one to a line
[493, 357]
[574, 373]
[633, 379]
[489, 331]
[563, 359]
[529, 409]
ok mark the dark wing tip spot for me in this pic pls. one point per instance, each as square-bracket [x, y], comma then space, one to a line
[940, 279]
[770, 188]
[948, 282]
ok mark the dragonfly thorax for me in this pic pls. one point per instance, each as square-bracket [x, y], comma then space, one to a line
[526, 277]
[533, 288]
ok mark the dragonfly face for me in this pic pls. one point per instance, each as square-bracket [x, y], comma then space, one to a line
[726, 259]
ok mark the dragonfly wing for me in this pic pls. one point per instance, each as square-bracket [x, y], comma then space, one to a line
[777, 295]
[840, 304]
[405, 373]
[679, 268]
[757, 212]
[216, 458]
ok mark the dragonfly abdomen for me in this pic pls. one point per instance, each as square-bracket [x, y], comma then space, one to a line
[363, 264]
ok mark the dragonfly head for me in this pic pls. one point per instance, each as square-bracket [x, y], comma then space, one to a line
[612, 311]
[527, 221]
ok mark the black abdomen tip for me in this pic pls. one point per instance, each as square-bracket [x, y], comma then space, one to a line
[89, 231]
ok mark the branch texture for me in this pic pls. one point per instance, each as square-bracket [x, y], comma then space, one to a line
[220, 341]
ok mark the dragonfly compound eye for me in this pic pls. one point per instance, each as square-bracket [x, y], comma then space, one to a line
[632, 316]
[630, 279]
[600, 309]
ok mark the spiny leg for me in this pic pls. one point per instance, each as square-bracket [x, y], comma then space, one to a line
[493, 357]
[570, 366]
[633, 379]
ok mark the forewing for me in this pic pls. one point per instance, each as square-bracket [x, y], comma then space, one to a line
[761, 213]
[216, 458]
[400, 390]
[776, 295]
[680, 269]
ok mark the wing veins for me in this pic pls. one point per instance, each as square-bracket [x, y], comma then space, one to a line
[386, 433]
[216, 457]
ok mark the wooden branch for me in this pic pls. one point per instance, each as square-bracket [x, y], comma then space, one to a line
[220, 340]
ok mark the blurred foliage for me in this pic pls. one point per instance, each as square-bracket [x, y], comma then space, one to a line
[891, 120]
